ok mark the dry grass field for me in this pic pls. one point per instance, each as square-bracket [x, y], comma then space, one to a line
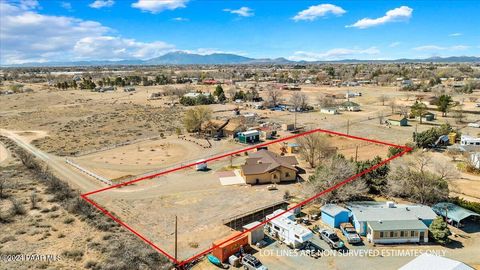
[37, 220]
[201, 202]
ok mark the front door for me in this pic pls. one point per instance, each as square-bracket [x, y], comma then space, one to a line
[422, 236]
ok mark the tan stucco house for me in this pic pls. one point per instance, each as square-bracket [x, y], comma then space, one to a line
[265, 166]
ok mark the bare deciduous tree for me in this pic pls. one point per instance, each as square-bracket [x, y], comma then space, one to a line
[330, 173]
[274, 96]
[383, 99]
[314, 147]
[420, 179]
[325, 101]
[195, 117]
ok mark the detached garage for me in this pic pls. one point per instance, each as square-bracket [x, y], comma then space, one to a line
[333, 215]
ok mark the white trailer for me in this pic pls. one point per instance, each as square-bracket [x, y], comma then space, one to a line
[286, 230]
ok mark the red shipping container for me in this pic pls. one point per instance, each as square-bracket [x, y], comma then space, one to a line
[231, 247]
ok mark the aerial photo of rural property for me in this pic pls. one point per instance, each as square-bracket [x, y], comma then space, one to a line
[256, 135]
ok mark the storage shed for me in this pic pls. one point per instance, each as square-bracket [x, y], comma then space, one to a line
[401, 121]
[251, 136]
[227, 249]
[333, 215]
[255, 235]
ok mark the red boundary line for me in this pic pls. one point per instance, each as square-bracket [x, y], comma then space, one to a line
[181, 263]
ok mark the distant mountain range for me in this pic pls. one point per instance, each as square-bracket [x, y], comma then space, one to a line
[184, 58]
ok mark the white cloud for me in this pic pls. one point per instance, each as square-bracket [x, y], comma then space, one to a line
[180, 19]
[334, 54]
[314, 12]
[243, 11]
[28, 4]
[102, 3]
[157, 6]
[64, 39]
[66, 5]
[402, 13]
[115, 48]
[207, 51]
[441, 48]
[455, 34]
[394, 44]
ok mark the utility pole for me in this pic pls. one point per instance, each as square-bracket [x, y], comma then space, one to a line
[176, 238]
[356, 153]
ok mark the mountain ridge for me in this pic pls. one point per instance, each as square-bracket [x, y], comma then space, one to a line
[185, 58]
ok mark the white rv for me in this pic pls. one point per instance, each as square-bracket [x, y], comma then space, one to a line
[286, 230]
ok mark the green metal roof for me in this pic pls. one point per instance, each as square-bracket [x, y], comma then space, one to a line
[453, 211]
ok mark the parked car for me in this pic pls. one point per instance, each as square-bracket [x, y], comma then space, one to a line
[332, 239]
[251, 263]
[350, 233]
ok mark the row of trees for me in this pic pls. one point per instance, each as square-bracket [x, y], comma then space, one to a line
[416, 177]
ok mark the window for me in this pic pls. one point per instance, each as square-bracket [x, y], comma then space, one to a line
[412, 233]
[391, 234]
[296, 236]
[287, 174]
[402, 234]
[381, 234]
[276, 228]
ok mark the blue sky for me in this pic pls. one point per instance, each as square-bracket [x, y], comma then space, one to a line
[32, 31]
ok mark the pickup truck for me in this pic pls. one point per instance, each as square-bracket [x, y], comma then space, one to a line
[350, 233]
[332, 239]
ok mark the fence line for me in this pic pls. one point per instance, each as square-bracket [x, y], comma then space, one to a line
[92, 174]
[92, 151]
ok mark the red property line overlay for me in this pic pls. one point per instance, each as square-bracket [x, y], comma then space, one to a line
[181, 263]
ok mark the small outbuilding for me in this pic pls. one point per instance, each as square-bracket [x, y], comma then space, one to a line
[250, 136]
[329, 110]
[256, 234]
[401, 121]
[454, 213]
[333, 215]
[224, 250]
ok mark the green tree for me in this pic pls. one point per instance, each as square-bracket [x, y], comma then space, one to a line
[218, 91]
[376, 179]
[444, 103]
[439, 231]
[418, 110]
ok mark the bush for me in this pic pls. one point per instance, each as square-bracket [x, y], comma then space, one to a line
[439, 231]
[17, 207]
[68, 220]
[472, 206]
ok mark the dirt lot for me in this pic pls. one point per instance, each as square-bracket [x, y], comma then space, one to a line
[151, 155]
[200, 201]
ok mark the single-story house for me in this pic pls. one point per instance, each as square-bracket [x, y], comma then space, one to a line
[329, 110]
[366, 215]
[234, 126]
[333, 215]
[427, 261]
[398, 120]
[349, 106]
[265, 166]
[293, 148]
[397, 231]
[453, 212]
[469, 140]
[250, 136]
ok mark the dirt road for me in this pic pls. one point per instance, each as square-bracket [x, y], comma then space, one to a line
[58, 165]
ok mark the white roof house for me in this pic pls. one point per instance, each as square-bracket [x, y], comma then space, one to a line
[469, 140]
[287, 229]
[428, 261]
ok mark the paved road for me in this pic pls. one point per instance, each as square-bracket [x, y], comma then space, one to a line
[60, 168]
